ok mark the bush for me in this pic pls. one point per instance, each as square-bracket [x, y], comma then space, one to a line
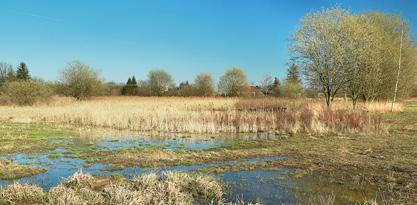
[348, 121]
[80, 80]
[204, 85]
[292, 90]
[26, 92]
[111, 89]
[144, 90]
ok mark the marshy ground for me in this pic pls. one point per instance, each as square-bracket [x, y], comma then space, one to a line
[350, 167]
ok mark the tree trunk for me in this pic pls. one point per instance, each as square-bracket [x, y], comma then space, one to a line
[328, 98]
[354, 102]
[399, 68]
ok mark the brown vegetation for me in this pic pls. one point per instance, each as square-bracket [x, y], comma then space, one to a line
[208, 115]
[167, 188]
[25, 93]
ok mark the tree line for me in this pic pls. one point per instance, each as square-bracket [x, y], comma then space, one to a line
[81, 81]
[233, 83]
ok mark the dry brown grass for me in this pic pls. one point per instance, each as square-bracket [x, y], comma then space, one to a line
[205, 115]
[21, 193]
[169, 188]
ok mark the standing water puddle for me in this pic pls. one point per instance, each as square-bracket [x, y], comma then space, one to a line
[174, 143]
[268, 187]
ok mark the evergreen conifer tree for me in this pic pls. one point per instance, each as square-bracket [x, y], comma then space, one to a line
[131, 87]
[277, 87]
[293, 75]
[22, 72]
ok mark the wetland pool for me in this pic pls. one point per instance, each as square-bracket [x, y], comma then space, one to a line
[272, 186]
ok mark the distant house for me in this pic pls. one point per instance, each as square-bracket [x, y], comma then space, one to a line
[255, 91]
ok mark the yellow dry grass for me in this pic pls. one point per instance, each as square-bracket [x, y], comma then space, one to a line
[174, 188]
[202, 115]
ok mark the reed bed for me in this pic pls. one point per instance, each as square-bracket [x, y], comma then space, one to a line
[207, 115]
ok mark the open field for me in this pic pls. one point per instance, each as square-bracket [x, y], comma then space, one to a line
[208, 103]
[207, 115]
[350, 166]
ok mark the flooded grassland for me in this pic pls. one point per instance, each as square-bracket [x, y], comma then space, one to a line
[264, 168]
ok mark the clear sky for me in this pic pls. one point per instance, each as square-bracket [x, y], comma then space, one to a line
[185, 37]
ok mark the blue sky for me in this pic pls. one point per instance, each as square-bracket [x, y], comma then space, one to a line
[185, 37]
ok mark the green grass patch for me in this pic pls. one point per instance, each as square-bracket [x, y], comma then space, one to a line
[31, 138]
[54, 156]
[83, 148]
[10, 170]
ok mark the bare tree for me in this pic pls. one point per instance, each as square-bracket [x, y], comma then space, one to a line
[4, 69]
[159, 81]
[79, 80]
[267, 85]
[318, 48]
[233, 83]
[204, 84]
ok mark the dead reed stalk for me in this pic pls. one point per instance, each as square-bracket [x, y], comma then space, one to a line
[206, 115]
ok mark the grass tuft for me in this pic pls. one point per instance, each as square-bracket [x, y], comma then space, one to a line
[174, 188]
[10, 170]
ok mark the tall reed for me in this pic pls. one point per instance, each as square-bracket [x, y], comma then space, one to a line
[206, 115]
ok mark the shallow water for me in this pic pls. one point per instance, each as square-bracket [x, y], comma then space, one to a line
[258, 186]
[268, 187]
[172, 143]
[60, 166]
